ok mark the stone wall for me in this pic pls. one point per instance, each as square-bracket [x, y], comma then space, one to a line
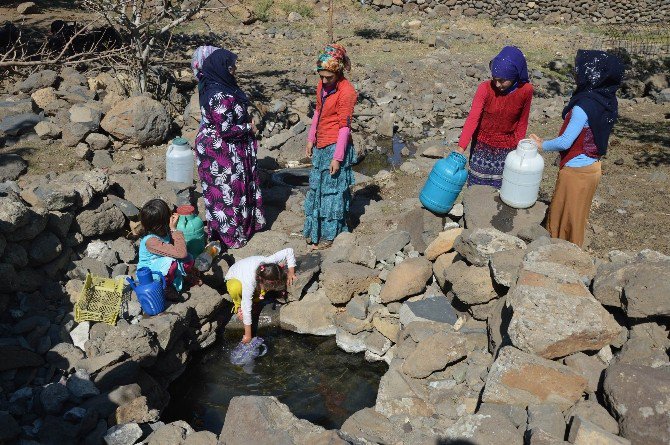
[564, 11]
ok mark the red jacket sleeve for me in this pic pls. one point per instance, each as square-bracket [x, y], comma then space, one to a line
[522, 125]
[345, 107]
[472, 122]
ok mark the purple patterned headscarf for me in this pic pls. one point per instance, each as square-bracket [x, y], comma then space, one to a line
[199, 56]
[510, 64]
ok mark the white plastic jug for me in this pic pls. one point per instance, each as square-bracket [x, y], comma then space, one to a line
[522, 175]
[179, 162]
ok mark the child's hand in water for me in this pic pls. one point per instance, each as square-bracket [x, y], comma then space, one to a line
[246, 339]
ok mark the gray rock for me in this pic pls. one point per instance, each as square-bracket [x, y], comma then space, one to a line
[358, 307]
[46, 247]
[377, 343]
[435, 308]
[341, 281]
[590, 367]
[434, 353]
[514, 376]
[103, 220]
[407, 279]
[593, 412]
[64, 356]
[9, 429]
[80, 385]
[368, 426]
[59, 223]
[255, 419]
[53, 396]
[125, 434]
[11, 167]
[647, 291]
[478, 245]
[633, 394]
[37, 80]
[398, 395]
[484, 209]
[351, 343]
[546, 417]
[471, 285]
[37, 223]
[74, 133]
[171, 433]
[16, 356]
[540, 306]
[351, 324]
[562, 261]
[97, 141]
[102, 159]
[313, 315]
[505, 266]
[583, 432]
[88, 115]
[391, 244]
[138, 120]
[80, 333]
[13, 213]
[128, 208]
[16, 255]
[484, 428]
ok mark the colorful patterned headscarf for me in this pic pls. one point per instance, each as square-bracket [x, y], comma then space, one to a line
[334, 58]
[199, 56]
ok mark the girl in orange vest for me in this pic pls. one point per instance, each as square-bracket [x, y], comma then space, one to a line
[330, 147]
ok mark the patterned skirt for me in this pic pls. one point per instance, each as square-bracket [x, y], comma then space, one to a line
[328, 199]
[487, 164]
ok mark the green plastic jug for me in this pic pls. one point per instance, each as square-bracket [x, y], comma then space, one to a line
[193, 228]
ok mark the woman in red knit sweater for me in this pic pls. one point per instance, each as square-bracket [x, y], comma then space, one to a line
[498, 117]
[330, 147]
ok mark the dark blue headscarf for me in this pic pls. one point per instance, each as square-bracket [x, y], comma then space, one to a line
[510, 64]
[216, 77]
[598, 76]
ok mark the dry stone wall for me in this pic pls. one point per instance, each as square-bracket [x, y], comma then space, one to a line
[599, 11]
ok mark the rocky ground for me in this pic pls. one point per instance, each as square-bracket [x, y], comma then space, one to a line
[492, 332]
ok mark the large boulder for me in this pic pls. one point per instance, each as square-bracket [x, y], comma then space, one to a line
[562, 261]
[103, 220]
[638, 396]
[13, 213]
[492, 427]
[583, 432]
[341, 281]
[140, 343]
[257, 419]
[518, 378]
[478, 245]
[11, 166]
[553, 319]
[399, 395]
[368, 426]
[484, 209]
[407, 279]
[138, 120]
[434, 354]
[312, 315]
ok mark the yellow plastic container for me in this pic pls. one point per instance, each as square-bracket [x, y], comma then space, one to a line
[100, 300]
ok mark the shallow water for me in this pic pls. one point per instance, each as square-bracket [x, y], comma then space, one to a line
[318, 381]
[388, 158]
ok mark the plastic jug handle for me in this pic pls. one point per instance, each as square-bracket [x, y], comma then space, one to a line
[162, 278]
[131, 282]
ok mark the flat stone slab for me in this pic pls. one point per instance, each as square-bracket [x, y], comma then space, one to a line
[435, 308]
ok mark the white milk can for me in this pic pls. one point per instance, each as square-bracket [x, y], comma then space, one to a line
[522, 175]
[179, 162]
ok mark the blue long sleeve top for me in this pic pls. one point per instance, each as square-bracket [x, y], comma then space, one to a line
[578, 121]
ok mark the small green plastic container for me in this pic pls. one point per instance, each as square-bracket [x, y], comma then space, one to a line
[193, 228]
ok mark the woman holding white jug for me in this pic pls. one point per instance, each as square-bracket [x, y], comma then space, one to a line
[589, 119]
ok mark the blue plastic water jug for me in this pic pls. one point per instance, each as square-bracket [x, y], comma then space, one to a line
[444, 183]
[150, 293]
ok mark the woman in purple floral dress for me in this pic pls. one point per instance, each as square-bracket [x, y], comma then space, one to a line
[226, 155]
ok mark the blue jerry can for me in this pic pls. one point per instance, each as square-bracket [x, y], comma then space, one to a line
[444, 183]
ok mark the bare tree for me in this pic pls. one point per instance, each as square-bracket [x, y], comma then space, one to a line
[146, 25]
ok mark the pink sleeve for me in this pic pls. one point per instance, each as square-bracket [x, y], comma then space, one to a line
[472, 122]
[311, 136]
[342, 141]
